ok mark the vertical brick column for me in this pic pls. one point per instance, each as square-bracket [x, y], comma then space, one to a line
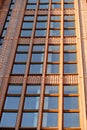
[9, 47]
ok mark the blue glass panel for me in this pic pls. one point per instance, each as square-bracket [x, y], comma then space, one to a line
[36, 69]
[37, 57]
[54, 32]
[51, 103]
[51, 89]
[70, 103]
[33, 89]
[52, 69]
[71, 120]
[31, 103]
[70, 89]
[29, 119]
[52, 57]
[70, 68]
[18, 69]
[8, 119]
[12, 103]
[69, 57]
[50, 119]
[14, 89]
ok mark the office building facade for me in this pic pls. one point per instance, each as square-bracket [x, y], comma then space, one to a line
[43, 64]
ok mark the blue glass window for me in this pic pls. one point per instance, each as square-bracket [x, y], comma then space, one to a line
[29, 119]
[8, 119]
[50, 119]
[71, 120]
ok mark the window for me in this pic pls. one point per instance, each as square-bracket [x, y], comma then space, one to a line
[50, 119]
[51, 89]
[53, 69]
[67, 5]
[70, 103]
[14, 89]
[31, 103]
[43, 6]
[53, 48]
[21, 57]
[36, 69]
[12, 102]
[27, 25]
[31, 6]
[69, 57]
[70, 68]
[71, 120]
[71, 89]
[37, 57]
[18, 69]
[8, 119]
[54, 32]
[50, 102]
[33, 89]
[38, 48]
[40, 33]
[29, 119]
[69, 47]
[53, 57]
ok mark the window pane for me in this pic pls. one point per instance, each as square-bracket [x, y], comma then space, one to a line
[51, 103]
[70, 89]
[37, 57]
[69, 33]
[29, 119]
[41, 33]
[27, 25]
[70, 68]
[54, 48]
[52, 68]
[69, 47]
[12, 103]
[54, 24]
[41, 25]
[69, 57]
[36, 69]
[55, 17]
[26, 33]
[28, 18]
[31, 103]
[71, 120]
[21, 57]
[52, 57]
[42, 18]
[54, 32]
[68, 5]
[33, 89]
[23, 48]
[55, 6]
[69, 17]
[70, 103]
[31, 6]
[51, 90]
[18, 69]
[50, 120]
[38, 47]
[69, 24]
[8, 119]
[14, 89]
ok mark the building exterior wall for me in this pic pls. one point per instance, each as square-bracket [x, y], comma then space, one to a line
[9, 47]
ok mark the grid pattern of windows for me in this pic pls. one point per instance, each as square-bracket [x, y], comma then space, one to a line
[20, 59]
[45, 82]
[7, 22]
[11, 105]
[71, 106]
